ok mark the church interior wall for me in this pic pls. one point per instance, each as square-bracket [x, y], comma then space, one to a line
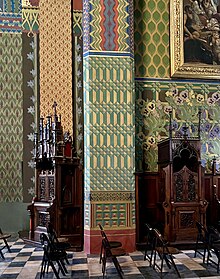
[155, 92]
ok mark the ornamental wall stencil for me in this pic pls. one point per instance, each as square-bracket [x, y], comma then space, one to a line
[32, 110]
[153, 115]
[11, 117]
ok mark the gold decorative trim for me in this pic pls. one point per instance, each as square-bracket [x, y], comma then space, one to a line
[178, 67]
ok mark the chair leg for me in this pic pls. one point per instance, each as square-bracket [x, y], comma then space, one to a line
[154, 260]
[196, 248]
[103, 265]
[174, 265]
[2, 255]
[67, 261]
[161, 267]
[118, 267]
[145, 252]
[100, 258]
[209, 255]
[167, 261]
[54, 269]
[148, 256]
[63, 266]
[6, 244]
[43, 267]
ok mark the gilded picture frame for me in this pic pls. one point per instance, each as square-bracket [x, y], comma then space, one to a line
[180, 67]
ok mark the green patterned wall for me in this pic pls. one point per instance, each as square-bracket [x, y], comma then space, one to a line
[109, 107]
[153, 102]
[151, 38]
[109, 138]
[11, 117]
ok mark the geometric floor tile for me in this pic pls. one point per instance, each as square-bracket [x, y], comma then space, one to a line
[24, 262]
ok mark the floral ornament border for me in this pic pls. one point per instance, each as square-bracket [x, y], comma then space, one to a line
[79, 99]
[32, 110]
[184, 105]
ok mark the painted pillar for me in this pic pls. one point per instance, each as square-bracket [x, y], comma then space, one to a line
[109, 129]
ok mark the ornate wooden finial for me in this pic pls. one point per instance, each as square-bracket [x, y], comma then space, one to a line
[170, 124]
[214, 166]
[55, 107]
[55, 111]
[185, 129]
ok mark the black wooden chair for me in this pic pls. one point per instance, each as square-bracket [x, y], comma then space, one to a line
[165, 254]
[213, 246]
[112, 254]
[149, 245]
[202, 239]
[4, 237]
[59, 245]
[52, 258]
[112, 244]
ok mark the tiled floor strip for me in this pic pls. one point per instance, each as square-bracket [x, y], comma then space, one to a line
[25, 262]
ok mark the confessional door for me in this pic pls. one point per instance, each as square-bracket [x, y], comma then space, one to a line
[182, 206]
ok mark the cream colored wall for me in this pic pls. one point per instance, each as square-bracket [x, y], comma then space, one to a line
[14, 217]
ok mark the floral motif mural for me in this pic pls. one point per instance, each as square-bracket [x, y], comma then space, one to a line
[183, 105]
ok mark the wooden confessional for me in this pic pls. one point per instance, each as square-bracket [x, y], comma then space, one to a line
[180, 175]
[150, 197]
[59, 193]
[178, 195]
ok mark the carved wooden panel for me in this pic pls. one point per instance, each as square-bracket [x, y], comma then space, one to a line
[186, 219]
[185, 185]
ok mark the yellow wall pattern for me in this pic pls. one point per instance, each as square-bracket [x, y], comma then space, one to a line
[56, 59]
[151, 34]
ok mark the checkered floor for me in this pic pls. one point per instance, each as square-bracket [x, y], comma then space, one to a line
[24, 262]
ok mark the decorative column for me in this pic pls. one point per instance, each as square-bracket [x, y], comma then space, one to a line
[109, 130]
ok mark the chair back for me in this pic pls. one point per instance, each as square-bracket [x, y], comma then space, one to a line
[106, 245]
[46, 244]
[51, 233]
[159, 240]
[148, 227]
[149, 233]
[104, 236]
[213, 235]
[161, 245]
[202, 232]
[101, 227]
